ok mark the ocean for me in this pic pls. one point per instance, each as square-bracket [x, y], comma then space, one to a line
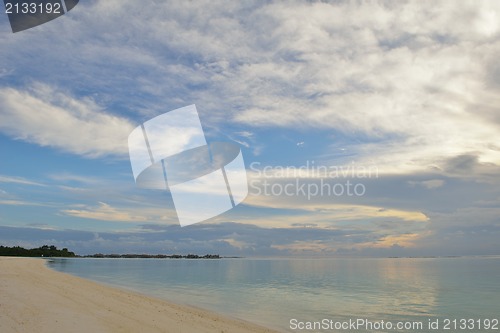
[459, 294]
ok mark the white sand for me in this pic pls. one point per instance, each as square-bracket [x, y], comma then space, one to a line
[34, 298]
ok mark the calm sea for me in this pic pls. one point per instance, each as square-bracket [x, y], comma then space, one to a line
[442, 294]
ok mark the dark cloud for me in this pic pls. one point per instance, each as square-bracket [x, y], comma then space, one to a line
[462, 163]
[225, 239]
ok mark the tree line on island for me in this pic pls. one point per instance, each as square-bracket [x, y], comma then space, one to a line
[52, 251]
[42, 251]
[157, 256]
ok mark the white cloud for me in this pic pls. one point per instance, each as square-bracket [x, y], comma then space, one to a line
[125, 211]
[4, 72]
[18, 180]
[105, 212]
[47, 117]
[429, 184]
[326, 215]
[385, 75]
[20, 203]
[423, 88]
[65, 177]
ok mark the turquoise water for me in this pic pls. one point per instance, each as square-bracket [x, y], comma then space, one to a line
[287, 293]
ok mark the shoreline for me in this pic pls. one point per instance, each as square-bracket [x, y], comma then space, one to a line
[34, 297]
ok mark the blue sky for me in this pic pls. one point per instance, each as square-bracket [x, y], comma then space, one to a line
[410, 90]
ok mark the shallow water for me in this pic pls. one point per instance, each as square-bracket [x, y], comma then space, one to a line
[274, 292]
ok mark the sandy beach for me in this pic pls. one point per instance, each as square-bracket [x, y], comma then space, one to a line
[34, 298]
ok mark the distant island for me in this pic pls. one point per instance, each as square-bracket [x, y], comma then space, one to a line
[157, 256]
[42, 251]
[52, 251]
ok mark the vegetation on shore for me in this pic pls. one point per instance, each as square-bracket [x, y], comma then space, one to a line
[52, 251]
[157, 256]
[43, 251]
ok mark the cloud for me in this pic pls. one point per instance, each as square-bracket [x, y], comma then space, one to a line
[127, 210]
[382, 76]
[248, 240]
[67, 177]
[225, 239]
[421, 91]
[47, 117]
[12, 199]
[105, 212]
[4, 72]
[429, 184]
[20, 203]
[18, 180]
[330, 213]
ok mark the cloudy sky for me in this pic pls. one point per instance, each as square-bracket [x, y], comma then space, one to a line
[391, 108]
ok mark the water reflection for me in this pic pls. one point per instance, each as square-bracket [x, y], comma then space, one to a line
[272, 291]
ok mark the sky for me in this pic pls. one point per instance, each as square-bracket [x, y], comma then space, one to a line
[367, 128]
